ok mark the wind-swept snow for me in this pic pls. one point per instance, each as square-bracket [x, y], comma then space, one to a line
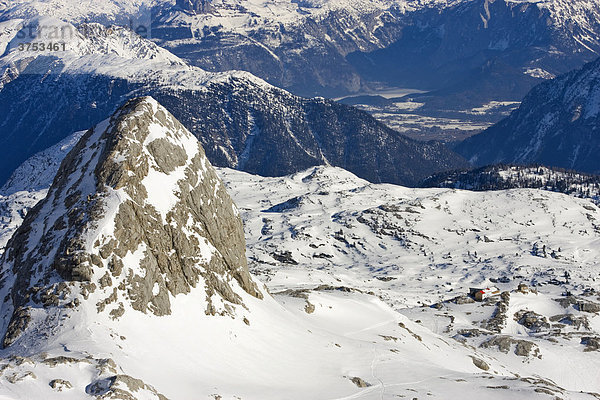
[353, 268]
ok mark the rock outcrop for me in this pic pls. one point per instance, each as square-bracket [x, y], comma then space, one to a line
[135, 216]
[195, 6]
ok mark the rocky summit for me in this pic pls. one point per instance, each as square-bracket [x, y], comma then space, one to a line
[135, 216]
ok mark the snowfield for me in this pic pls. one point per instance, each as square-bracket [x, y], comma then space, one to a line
[421, 250]
[368, 285]
[365, 285]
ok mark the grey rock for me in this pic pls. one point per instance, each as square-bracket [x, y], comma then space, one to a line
[470, 333]
[122, 387]
[479, 363]
[463, 299]
[580, 304]
[284, 257]
[20, 376]
[60, 384]
[532, 320]
[360, 382]
[498, 319]
[588, 306]
[592, 343]
[46, 271]
[522, 348]
[576, 321]
[195, 6]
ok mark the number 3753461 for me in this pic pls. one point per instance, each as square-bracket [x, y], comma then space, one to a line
[42, 46]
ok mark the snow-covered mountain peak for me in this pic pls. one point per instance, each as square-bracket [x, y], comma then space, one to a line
[556, 125]
[334, 249]
[19, 37]
[121, 41]
[94, 49]
[135, 216]
[77, 11]
[329, 178]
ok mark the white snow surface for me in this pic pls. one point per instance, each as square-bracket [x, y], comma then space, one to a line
[93, 49]
[392, 252]
[243, 16]
[416, 247]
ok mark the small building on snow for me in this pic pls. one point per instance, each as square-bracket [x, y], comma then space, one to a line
[482, 294]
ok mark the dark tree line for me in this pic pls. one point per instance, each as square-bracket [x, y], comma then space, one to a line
[504, 176]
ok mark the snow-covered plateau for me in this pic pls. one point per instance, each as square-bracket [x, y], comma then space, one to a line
[131, 268]
[365, 298]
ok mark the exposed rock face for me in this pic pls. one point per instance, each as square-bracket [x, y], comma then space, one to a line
[135, 215]
[522, 348]
[591, 343]
[105, 380]
[532, 320]
[234, 119]
[195, 6]
[479, 363]
[498, 319]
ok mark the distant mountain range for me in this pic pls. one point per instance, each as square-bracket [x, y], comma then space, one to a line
[242, 121]
[557, 124]
[472, 52]
[335, 47]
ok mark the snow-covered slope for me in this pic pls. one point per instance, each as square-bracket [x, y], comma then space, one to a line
[328, 218]
[556, 125]
[345, 259]
[416, 248]
[13, 209]
[87, 49]
[38, 171]
[29, 184]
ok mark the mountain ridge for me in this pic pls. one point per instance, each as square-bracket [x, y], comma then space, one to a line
[292, 44]
[502, 177]
[113, 209]
[556, 125]
[232, 114]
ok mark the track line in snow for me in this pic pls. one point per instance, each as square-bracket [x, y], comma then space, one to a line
[371, 327]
